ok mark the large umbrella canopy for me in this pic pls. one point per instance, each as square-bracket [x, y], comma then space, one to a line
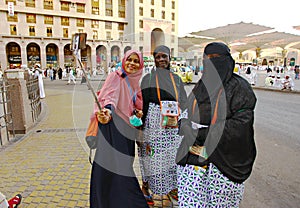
[191, 41]
[284, 40]
[232, 32]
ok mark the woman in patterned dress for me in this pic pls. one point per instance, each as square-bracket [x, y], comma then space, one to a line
[158, 150]
[218, 149]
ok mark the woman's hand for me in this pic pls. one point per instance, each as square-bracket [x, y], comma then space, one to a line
[104, 116]
[139, 113]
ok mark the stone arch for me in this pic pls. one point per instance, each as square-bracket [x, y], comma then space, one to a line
[52, 55]
[115, 55]
[33, 54]
[157, 38]
[86, 56]
[101, 57]
[68, 56]
[127, 48]
[13, 54]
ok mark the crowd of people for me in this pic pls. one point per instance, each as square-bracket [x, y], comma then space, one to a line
[274, 76]
[197, 149]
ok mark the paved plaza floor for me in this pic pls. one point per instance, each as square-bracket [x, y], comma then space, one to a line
[49, 165]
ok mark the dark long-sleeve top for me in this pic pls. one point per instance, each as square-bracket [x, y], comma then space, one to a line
[167, 92]
[230, 140]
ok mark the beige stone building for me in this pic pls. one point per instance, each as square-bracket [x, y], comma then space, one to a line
[40, 31]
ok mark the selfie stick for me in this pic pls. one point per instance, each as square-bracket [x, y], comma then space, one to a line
[76, 47]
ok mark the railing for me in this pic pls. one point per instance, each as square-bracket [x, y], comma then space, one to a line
[6, 120]
[34, 97]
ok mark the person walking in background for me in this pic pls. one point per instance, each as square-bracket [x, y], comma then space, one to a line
[60, 73]
[113, 181]
[71, 76]
[51, 74]
[297, 70]
[164, 99]
[38, 74]
[218, 150]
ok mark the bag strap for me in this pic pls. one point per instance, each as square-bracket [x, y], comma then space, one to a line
[158, 89]
[132, 94]
[215, 116]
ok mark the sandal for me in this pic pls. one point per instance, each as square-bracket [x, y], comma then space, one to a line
[149, 200]
[147, 195]
[15, 201]
[173, 194]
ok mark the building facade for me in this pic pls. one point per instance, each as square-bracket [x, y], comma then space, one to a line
[40, 31]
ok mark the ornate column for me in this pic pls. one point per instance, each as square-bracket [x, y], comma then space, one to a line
[257, 51]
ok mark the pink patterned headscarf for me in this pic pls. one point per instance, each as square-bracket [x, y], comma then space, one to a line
[116, 90]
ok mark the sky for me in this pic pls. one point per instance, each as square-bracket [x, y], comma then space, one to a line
[196, 15]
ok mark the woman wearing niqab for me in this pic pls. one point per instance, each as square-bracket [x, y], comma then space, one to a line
[217, 152]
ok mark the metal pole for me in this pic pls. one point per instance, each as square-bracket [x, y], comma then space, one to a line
[87, 80]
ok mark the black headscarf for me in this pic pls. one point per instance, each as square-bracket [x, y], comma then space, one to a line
[162, 49]
[216, 71]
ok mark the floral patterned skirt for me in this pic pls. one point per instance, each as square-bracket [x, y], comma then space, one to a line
[158, 167]
[198, 187]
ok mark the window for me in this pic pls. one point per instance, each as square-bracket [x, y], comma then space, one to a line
[95, 7]
[173, 28]
[95, 24]
[173, 39]
[48, 20]
[14, 1]
[80, 30]
[122, 14]
[31, 31]
[141, 24]
[141, 49]
[173, 4]
[173, 16]
[80, 22]
[121, 35]
[65, 32]
[152, 2]
[48, 4]
[49, 31]
[80, 8]
[12, 18]
[141, 36]
[121, 2]
[108, 12]
[121, 26]
[108, 25]
[30, 3]
[163, 3]
[95, 34]
[152, 12]
[65, 21]
[163, 14]
[95, 10]
[30, 18]
[108, 8]
[141, 1]
[141, 12]
[65, 6]
[108, 36]
[13, 29]
[121, 8]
